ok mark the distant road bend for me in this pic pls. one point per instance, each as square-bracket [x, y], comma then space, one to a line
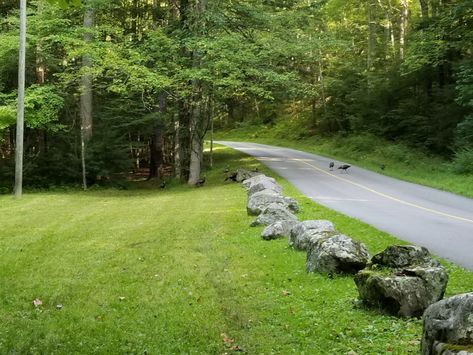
[440, 221]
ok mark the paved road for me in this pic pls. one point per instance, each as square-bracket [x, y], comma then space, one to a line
[438, 220]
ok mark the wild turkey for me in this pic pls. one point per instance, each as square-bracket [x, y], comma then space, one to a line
[344, 167]
[331, 165]
[200, 182]
[231, 176]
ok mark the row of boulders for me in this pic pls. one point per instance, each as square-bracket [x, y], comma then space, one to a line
[403, 280]
[328, 250]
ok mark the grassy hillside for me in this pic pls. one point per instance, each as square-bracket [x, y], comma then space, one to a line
[370, 152]
[177, 271]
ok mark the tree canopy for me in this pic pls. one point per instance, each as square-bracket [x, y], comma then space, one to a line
[162, 70]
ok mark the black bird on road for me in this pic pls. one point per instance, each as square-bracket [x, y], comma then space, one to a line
[344, 167]
[331, 165]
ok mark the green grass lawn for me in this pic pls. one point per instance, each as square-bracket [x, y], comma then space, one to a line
[179, 271]
[366, 151]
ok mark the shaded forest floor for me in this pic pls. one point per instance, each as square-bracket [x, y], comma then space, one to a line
[367, 151]
[179, 270]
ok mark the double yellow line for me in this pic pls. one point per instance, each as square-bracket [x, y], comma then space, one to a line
[385, 195]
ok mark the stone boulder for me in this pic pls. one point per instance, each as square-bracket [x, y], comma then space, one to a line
[255, 180]
[402, 284]
[399, 256]
[274, 213]
[305, 231]
[261, 183]
[279, 229]
[262, 199]
[336, 254]
[243, 174]
[448, 326]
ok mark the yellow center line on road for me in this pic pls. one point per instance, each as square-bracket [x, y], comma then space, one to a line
[385, 195]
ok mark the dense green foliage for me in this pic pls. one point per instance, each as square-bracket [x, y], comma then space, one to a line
[179, 271]
[164, 70]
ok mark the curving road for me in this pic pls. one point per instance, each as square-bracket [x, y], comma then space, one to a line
[440, 221]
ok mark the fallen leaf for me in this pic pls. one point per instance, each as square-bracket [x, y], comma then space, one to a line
[227, 340]
[37, 302]
[237, 348]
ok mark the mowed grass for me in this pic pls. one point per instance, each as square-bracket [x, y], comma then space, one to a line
[179, 271]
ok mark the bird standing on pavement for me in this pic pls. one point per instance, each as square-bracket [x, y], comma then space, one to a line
[344, 167]
[331, 165]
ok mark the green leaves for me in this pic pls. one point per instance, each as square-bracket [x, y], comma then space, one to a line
[65, 3]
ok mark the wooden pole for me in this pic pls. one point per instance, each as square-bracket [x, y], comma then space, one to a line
[20, 118]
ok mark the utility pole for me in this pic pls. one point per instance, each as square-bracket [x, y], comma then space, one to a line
[20, 117]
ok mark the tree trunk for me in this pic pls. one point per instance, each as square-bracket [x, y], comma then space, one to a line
[155, 152]
[371, 34]
[86, 92]
[403, 27]
[424, 8]
[198, 111]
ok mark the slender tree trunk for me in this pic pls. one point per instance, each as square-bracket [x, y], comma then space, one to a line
[424, 8]
[322, 84]
[156, 153]
[177, 150]
[21, 104]
[371, 34]
[403, 27]
[86, 93]
[198, 111]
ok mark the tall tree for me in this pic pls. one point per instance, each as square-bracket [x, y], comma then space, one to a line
[86, 104]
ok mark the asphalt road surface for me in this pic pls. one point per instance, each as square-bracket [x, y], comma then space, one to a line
[440, 221]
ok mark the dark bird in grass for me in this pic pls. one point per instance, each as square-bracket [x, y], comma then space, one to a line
[331, 165]
[382, 166]
[344, 167]
[162, 184]
[232, 176]
[200, 182]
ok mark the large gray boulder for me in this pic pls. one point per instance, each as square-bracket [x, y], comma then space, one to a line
[264, 183]
[402, 284]
[262, 199]
[243, 174]
[337, 254]
[278, 229]
[448, 326]
[306, 231]
[255, 180]
[274, 213]
[399, 256]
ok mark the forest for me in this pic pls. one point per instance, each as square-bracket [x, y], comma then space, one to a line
[130, 86]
